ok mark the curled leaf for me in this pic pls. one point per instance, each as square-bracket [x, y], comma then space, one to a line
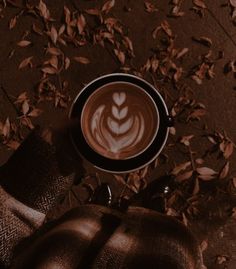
[108, 6]
[26, 62]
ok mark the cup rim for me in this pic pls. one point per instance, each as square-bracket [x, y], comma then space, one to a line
[144, 158]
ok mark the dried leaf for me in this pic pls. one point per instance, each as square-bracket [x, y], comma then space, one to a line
[233, 3]
[21, 98]
[228, 151]
[166, 27]
[204, 40]
[6, 128]
[185, 220]
[199, 161]
[129, 45]
[26, 62]
[172, 130]
[35, 112]
[13, 144]
[37, 30]
[196, 114]
[53, 61]
[54, 51]
[181, 53]
[23, 43]
[94, 12]
[44, 12]
[149, 7]
[82, 60]
[199, 3]
[206, 173]
[156, 31]
[108, 6]
[81, 23]
[120, 55]
[186, 139]
[204, 245]
[53, 34]
[224, 172]
[67, 63]
[25, 107]
[196, 188]
[184, 176]
[49, 70]
[12, 22]
[180, 167]
[27, 122]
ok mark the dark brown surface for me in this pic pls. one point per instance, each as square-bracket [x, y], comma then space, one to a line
[217, 94]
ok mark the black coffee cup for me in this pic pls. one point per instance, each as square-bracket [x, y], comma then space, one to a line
[123, 123]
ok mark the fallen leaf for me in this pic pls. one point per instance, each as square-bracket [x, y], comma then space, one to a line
[49, 70]
[224, 172]
[53, 34]
[6, 128]
[13, 144]
[233, 3]
[166, 27]
[67, 63]
[184, 176]
[181, 53]
[206, 173]
[12, 22]
[94, 12]
[228, 151]
[204, 40]
[149, 7]
[23, 43]
[82, 60]
[196, 188]
[54, 51]
[25, 107]
[81, 23]
[35, 112]
[204, 245]
[196, 114]
[108, 6]
[44, 12]
[186, 139]
[184, 219]
[37, 30]
[199, 3]
[180, 167]
[26, 62]
[156, 31]
[21, 98]
[120, 55]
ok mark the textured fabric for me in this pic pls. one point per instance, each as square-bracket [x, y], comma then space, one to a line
[32, 182]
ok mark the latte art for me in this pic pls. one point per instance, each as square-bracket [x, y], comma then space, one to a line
[119, 121]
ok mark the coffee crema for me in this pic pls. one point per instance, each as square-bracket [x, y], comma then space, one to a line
[119, 120]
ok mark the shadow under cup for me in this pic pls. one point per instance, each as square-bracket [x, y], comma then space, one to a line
[123, 123]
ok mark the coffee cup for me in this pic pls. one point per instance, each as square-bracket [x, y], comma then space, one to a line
[123, 123]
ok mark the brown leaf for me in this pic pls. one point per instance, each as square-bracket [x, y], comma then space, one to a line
[199, 3]
[120, 55]
[44, 12]
[204, 245]
[12, 22]
[184, 176]
[175, 12]
[81, 23]
[181, 53]
[35, 112]
[166, 27]
[224, 172]
[53, 34]
[67, 63]
[13, 144]
[25, 107]
[108, 6]
[196, 114]
[186, 139]
[54, 51]
[6, 128]
[94, 12]
[82, 60]
[184, 219]
[49, 70]
[37, 30]
[27, 122]
[21, 98]
[228, 150]
[199, 161]
[178, 74]
[172, 130]
[204, 40]
[180, 167]
[23, 43]
[129, 45]
[196, 188]
[206, 173]
[53, 61]
[156, 31]
[26, 62]
[233, 3]
[149, 7]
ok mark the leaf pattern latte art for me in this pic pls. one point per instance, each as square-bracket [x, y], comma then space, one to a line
[121, 130]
